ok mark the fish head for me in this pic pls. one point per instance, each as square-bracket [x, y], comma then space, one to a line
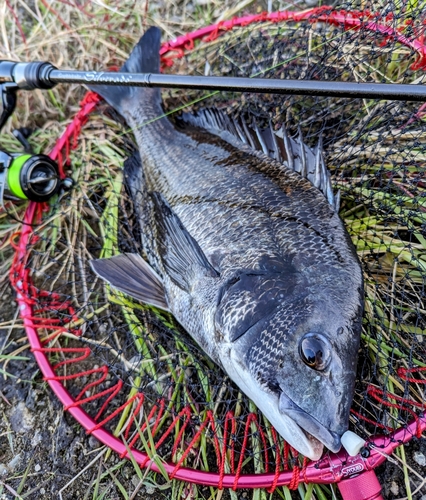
[306, 356]
[297, 362]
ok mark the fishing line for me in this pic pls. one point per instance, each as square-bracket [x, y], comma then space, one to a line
[21, 221]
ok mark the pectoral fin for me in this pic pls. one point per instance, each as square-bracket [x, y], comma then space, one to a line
[182, 257]
[130, 274]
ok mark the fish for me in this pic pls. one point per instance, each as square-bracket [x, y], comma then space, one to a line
[245, 247]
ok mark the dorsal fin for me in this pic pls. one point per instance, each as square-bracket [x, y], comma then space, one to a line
[291, 152]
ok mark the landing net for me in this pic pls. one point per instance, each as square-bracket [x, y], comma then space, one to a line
[127, 372]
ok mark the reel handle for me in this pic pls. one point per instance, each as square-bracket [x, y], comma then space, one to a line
[8, 101]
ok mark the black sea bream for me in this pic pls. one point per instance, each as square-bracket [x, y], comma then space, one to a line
[248, 253]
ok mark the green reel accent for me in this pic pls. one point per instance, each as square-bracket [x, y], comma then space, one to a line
[14, 176]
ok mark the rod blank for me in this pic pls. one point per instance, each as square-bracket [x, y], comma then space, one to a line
[388, 91]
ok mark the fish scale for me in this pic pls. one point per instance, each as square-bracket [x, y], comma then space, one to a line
[273, 204]
[250, 257]
[270, 344]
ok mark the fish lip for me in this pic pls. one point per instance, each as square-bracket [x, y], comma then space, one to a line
[309, 424]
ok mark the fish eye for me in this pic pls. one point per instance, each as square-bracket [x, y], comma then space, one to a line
[314, 351]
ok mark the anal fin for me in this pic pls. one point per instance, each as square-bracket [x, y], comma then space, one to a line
[130, 274]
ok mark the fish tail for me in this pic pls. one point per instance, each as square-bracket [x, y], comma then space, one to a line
[145, 58]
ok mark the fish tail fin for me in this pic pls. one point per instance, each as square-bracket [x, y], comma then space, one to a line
[145, 58]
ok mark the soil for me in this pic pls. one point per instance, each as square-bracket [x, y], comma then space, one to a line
[44, 453]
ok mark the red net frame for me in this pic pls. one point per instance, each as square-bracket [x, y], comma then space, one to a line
[330, 469]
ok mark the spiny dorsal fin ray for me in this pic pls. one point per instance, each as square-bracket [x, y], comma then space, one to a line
[275, 146]
[293, 153]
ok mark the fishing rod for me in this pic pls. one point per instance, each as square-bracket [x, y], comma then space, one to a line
[28, 76]
[36, 178]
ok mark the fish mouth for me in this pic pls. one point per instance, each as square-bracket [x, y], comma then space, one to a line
[309, 424]
[268, 403]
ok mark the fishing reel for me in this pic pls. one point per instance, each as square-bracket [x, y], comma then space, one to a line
[31, 177]
[24, 176]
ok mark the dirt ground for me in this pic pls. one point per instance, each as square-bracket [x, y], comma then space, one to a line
[44, 453]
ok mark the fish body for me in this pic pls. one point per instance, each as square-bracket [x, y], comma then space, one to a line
[250, 257]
